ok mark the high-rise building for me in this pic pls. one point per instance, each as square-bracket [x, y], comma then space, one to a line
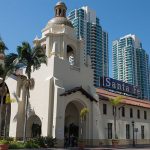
[131, 63]
[87, 27]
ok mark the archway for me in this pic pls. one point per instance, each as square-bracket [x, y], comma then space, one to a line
[70, 55]
[72, 123]
[5, 113]
[34, 125]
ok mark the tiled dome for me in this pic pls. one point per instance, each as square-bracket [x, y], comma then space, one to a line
[61, 20]
[61, 4]
[60, 15]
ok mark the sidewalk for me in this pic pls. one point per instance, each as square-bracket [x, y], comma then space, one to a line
[129, 147]
[139, 148]
[76, 148]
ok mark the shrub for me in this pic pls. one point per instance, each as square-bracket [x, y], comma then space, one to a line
[31, 144]
[50, 142]
[9, 139]
[45, 142]
[4, 142]
[40, 141]
[16, 145]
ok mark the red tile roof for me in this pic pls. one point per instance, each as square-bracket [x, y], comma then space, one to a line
[105, 95]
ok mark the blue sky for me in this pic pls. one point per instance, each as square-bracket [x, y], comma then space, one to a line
[22, 20]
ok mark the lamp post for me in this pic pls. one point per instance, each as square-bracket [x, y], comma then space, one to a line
[133, 134]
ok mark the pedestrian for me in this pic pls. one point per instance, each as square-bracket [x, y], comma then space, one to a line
[66, 141]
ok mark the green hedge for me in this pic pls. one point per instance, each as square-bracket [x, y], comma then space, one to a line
[43, 142]
[16, 145]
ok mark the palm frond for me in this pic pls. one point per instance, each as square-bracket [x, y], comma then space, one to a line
[3, 47]
[116, 101]
[31, 57]
[38, 57]
[39, 52]
[43, 59]
[10, 59]
[10, 62]
[26, 46]
[19, 51]
[83, 113]
[24, 52]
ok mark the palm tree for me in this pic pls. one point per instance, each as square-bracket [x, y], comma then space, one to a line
[6, 69]
[3, 47]
[115, 102]
[31, 58]
[83, 115]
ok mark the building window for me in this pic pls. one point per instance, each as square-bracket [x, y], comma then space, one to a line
[123, 112]
[105, 109]
[109, 130]
[138, 114]
[70, 55]
[127, 131]
[131, 113]
[142, 132]
[145, 115]
[59, 12]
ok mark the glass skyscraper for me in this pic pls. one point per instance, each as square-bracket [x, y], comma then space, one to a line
[131, 63]
[87, 27]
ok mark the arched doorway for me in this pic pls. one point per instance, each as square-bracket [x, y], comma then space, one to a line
[5, 113]
[72, 123]
[34, 125]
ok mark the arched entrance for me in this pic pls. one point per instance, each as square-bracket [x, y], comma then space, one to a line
[34, 125]
[72, 123]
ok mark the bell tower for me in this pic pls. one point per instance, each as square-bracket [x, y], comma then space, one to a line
[65, 71]
[60, 9]
[59, 39]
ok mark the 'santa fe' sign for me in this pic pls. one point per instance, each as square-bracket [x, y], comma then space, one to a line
[120, 86]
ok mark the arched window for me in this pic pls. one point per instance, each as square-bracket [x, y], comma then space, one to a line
[59, 12]
[70, 55]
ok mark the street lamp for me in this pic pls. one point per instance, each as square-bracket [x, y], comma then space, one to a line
[133, 134]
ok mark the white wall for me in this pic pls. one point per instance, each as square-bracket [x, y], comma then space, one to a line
[122, 121]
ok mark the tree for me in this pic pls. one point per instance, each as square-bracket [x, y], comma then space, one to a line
[3, 47]
[115, 102]
[31, 58]
[6, 69]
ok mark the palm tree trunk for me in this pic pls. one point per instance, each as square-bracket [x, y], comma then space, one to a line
[1, 106]
[115, 122]
[26, 105]
[26, 115]
[81, 128]
[5, 127]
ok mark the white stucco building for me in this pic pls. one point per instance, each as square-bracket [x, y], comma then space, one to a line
[63, 88]
[50, 106]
